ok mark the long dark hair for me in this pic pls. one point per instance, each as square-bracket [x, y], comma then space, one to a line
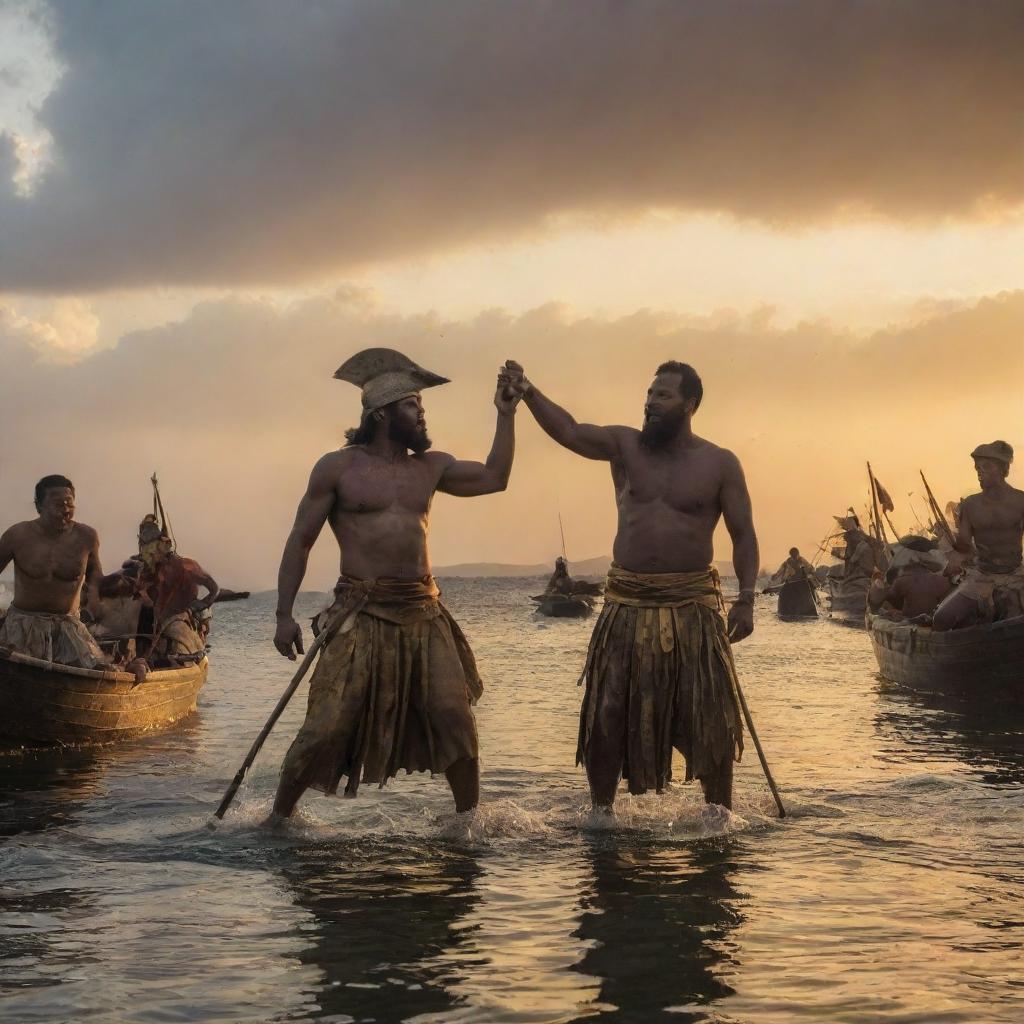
[364, 433]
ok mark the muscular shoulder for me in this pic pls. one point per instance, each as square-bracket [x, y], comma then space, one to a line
[87, 534]
[436, 460]
[725, 460]
[330, 467]
[17, 532]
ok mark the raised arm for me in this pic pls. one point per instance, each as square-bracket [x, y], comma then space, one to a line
[466, 479]
[586, 439]
[314, 508]
[739, 521]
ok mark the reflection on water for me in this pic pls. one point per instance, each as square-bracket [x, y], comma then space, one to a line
[409, 900]
[986, 737]
[892, 892]
[671, 907]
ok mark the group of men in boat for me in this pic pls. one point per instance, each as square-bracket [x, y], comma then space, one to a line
[148, 614]
[396, 680]
[969, 578]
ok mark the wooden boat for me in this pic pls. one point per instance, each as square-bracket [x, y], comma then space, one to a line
[43, 703]
[564, 606]
[848, 603]
[985, 660]
[796, 600]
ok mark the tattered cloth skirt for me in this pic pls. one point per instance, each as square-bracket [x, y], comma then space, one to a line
[660, 675]
[60, 639]
[392, 690]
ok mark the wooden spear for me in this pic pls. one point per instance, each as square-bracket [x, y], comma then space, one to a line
[314, 648]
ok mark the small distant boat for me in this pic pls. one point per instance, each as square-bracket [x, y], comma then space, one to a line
[564, 606]
[44, 703]
[981, 660]
[797, 601]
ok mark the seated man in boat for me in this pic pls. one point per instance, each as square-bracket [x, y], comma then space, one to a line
[914, 585]
[991, 529]
[53, 557]
[396, 680]
[170, 585]
[659, 673]
[114, 621]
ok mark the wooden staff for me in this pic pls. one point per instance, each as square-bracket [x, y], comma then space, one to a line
[314, 648]
[937, 512]
[760, 751]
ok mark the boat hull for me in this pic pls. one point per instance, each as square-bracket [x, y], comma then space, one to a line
[848, 603]
[566, 607]
[796, 601]
[982, 659]
[41, 703]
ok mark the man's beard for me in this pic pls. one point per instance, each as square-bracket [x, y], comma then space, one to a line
[414, 438]
[661, 432]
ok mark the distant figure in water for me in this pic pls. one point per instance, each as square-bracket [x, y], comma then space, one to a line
[795, 567]
[659, 672]
[395, 683]
[991, 528]
[53, 557]
[561, 582]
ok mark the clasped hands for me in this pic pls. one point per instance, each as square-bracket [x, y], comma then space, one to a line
[512, 386]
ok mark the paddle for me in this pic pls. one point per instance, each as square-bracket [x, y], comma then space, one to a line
[303, 668]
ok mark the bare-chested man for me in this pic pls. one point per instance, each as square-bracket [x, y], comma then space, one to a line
[53, 556]
[991, 529]
[394, 686]
[659, 673]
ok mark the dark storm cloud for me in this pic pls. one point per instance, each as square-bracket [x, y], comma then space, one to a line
[261, 141]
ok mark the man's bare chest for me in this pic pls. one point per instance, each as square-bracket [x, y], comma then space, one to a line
[372, 489]
[1006, 514]
[689, 487]
[44, 559]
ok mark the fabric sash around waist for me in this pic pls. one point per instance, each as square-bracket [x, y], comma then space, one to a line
[59, 616]
[394, 599]
[664, 589]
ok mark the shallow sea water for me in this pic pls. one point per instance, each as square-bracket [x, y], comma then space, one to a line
[892, 892]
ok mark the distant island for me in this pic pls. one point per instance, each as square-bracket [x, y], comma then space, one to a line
[597, 566]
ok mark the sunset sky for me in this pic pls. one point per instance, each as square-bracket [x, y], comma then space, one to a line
[205, 208]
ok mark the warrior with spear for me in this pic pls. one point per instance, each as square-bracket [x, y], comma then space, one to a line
[396, 680]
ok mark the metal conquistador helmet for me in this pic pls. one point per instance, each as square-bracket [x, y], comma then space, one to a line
[385, 376]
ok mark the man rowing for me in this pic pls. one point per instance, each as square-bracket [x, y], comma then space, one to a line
[396, 681]
[659, 673]
[53, 557]
[991, 529]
